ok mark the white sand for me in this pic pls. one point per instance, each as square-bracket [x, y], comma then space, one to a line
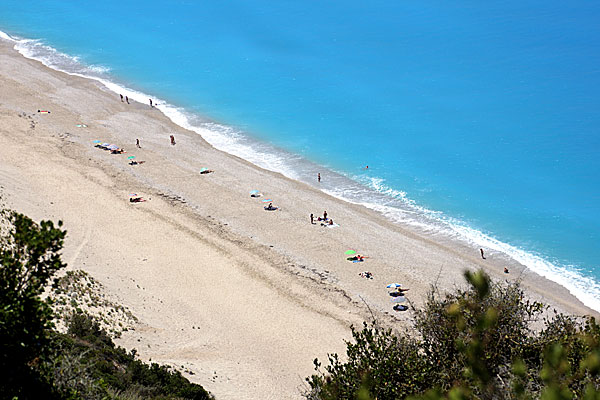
[244, 298]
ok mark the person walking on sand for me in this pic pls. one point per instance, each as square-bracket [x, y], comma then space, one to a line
[312, 219]
[482, 256]
[127, 99]
[319, 177]
[151, 103]
[172, 140]
[121, 97]
[137, 143]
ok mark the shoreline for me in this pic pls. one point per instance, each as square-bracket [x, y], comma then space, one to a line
[217, 283]
[443, 229]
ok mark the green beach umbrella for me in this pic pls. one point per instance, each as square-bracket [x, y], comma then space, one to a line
[350, 252]
[130, 157]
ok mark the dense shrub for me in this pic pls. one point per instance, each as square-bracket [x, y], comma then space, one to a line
[475, 343]
[37, 362]
[103, 368]
[29, 257]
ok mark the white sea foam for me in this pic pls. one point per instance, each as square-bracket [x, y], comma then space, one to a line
[371, 192]
[6, 36]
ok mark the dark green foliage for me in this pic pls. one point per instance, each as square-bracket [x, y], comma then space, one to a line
[29, 257]
[379, 362]
[38, 363]
[102, 368]
[473, 344]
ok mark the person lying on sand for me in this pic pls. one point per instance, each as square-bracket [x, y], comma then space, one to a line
[366, 274]
[136, 199]
[136, 162]
[400, 307]
[357, 257]
[207, 171]
[117, 151]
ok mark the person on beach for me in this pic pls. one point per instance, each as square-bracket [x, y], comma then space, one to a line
[172, 140]
[319, 177]
[505, 270]
[151, 103]
[137, 143]
[121, 97]
[136, 199]
[482, 256]
[312, 219]
[331, 221]
[324, 215]
[127, 99]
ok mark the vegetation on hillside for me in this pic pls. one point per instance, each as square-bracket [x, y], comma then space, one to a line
[471, 344]
[36, 361]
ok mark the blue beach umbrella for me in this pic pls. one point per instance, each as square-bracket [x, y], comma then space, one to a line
[97, 141]
[203, 169]
[267, 200]
[393, 285]
[254, 192]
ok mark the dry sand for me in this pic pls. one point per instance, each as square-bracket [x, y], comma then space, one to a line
[244, 298]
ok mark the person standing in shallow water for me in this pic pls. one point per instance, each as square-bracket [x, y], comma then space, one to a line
[151, 103]
[127, 99]
[319, 177]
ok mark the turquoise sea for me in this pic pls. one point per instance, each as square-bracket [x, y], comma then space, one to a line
[479, 121]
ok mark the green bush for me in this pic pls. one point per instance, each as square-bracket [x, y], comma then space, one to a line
[475, 343]
[29, 257]
[37, 362]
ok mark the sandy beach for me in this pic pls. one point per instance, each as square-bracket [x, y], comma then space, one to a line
[244, 298]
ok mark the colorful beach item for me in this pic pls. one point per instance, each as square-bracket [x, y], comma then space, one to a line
[350, 252]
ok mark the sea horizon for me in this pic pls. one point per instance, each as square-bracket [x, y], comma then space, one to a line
[374, 187]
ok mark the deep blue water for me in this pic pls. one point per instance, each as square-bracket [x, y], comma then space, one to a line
[485, 114]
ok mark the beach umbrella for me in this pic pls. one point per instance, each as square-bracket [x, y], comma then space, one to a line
[130, 157]
[132, 194]
[267, 200]
[81, 125]
[393, 285]
[97, 141]
[349, 252]
[254, 192]
[399, 299]
[203, 169]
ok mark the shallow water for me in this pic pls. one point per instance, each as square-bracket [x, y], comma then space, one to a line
[477, 121]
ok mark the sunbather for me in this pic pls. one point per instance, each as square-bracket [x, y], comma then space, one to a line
[136, 199]
[270, 207]
[207, 171]
[366, 274]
